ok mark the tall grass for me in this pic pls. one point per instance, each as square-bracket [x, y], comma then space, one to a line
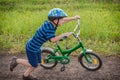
[100, 26]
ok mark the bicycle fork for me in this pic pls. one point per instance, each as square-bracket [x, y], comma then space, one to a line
[84, 50]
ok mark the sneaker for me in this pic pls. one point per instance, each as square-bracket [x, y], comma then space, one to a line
[29, 78]
[13, 63]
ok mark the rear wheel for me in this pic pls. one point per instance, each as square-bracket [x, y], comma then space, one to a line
[47, 61]
[95, 61]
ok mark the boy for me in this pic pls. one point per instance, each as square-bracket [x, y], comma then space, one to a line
[56, 17]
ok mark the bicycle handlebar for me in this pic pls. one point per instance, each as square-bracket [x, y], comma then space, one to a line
[75, 29]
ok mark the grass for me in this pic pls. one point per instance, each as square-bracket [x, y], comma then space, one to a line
[100, 26]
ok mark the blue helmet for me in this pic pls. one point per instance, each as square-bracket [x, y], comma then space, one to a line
[56, 13]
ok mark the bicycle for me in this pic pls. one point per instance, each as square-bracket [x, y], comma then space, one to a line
[87, 58]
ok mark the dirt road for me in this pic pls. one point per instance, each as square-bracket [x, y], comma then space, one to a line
[74, 71]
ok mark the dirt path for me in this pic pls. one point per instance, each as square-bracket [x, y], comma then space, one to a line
[74, 71]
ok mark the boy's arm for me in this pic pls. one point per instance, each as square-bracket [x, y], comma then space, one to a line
[57, 38]
[65, 20]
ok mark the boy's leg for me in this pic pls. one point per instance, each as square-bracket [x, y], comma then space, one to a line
[28, 71]
[16, 61]
[32, 65]
[26, 75]
[23, 62]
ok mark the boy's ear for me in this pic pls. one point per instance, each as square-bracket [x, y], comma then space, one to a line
[55, 20]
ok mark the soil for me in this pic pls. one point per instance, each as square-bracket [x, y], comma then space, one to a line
[110, 70]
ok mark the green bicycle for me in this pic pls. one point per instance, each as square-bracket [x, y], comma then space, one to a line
[87, 58]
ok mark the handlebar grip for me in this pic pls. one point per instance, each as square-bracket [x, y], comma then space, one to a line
[63, 38]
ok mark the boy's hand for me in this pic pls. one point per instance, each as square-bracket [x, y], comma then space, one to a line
[67, 34]
[58, 38]
[77, 17]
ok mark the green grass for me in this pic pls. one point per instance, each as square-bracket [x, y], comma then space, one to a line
[100, 23]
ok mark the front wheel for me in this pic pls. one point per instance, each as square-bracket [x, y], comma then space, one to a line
[95, 61]
[48, 61]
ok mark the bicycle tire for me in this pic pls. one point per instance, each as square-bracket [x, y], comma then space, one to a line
[80, 59]
[50, 52]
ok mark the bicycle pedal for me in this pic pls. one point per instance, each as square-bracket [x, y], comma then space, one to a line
[62, 69]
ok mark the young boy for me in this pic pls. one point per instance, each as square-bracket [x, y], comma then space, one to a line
[46, 31]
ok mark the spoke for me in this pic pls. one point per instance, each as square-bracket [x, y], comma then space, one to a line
[46, 56]
[94, 61]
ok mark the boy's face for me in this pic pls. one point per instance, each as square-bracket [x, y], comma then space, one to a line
[60, 21]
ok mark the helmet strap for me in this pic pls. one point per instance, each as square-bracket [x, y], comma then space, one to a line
[55, 23]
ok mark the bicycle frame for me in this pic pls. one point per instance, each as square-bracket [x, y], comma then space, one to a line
[67, 52]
